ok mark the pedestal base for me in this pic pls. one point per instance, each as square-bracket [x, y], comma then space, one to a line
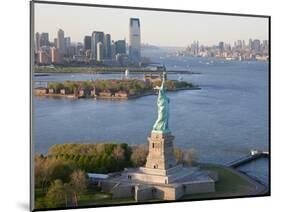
[145, 184]
[148, 175]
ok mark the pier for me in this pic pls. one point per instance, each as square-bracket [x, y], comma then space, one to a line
[253, 155]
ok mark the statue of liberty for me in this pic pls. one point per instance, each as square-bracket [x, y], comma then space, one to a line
[161, 124]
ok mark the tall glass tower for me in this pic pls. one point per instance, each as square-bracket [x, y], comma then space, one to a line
[107, 46]
[135, 40]
[61, 44]
[96, 37]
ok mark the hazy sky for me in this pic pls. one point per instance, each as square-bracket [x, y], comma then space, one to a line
[158, 28]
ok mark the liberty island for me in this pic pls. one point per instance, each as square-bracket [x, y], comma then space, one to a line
[161, 178]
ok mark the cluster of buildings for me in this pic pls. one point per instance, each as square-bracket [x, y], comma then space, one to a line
[253, 50]
[96, 49]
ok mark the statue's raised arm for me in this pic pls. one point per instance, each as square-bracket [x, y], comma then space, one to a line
[161, 124]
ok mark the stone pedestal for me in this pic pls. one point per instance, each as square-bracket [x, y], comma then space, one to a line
[161, 151]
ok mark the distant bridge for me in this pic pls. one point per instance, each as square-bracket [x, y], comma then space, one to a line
[253, 155]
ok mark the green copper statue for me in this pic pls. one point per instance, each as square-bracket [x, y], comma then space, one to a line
[161, 124]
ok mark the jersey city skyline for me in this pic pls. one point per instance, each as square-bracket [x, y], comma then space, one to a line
[157, 27]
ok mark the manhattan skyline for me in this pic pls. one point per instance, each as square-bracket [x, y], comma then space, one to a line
[158, 27]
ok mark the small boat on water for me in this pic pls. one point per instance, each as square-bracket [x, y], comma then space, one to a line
[180, 78]
[127, 72]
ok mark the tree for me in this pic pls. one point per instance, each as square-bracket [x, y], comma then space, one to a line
[39, 170]
[179, 154]
[61, 170]
[79, 182]
[139, 155]
[57, 194]
[190, 156]
[57, 86]
[118, 153]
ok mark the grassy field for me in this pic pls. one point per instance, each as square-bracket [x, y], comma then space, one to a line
[91, 197]
[230, 184]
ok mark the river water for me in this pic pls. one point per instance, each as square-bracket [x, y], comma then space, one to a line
[223, 121]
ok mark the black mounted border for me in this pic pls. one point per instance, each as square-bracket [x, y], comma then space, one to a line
[31, 36]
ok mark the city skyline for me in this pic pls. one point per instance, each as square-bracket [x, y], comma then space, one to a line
[223, 28]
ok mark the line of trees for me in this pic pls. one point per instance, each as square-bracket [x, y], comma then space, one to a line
[173, 84]
[131, 86]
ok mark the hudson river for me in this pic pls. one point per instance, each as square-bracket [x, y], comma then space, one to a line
[223, 121]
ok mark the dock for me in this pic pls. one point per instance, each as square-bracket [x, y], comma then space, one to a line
[253, 155]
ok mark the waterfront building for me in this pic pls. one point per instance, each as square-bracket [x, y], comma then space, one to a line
[120, 47]
[40, 91]
[96, 37]
[87, 42]
[100, 52]
[135, 40]
[107, 46]
[44, 39]
[43, 57]
[61, 42]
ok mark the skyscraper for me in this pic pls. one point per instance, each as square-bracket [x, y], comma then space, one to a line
[44, 39]
[256, 45]
[120, 47]
[56, 42]
[239, 44]
[87, 42]
[100, 52]
[250, 44]
[134, 40]
[107, 46]
[61, 44]
[55, 56]
[96, 37]
[67, 42]
[37, 42]
[221, 46]
[195, 48]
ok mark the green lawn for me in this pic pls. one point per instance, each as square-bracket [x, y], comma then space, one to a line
[229, 184]
[91, 197]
